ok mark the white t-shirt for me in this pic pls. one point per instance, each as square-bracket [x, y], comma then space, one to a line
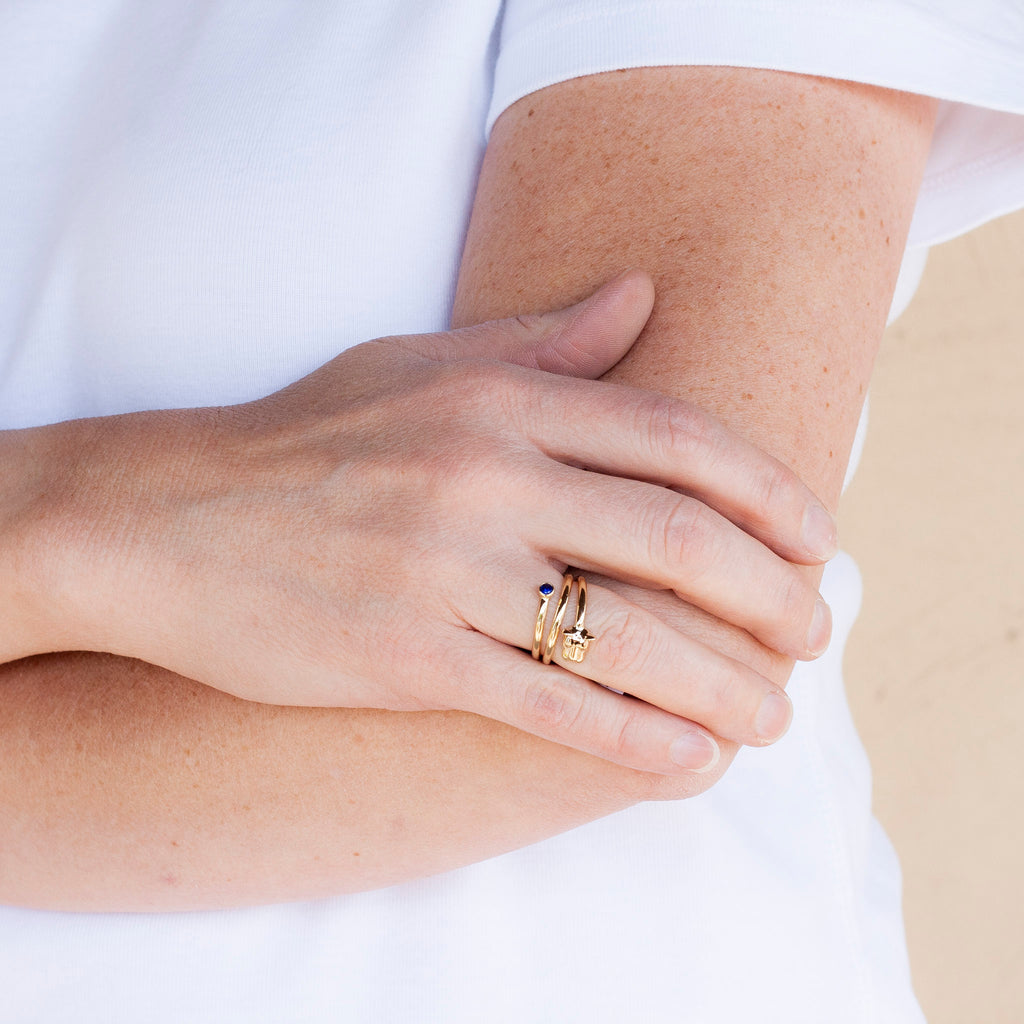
[202, 200]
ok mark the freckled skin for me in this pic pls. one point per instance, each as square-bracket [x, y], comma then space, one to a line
[749, 222]
[722, 255]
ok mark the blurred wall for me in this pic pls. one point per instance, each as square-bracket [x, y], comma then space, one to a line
[935, 669]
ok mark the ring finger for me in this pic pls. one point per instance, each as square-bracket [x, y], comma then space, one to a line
[635, 652]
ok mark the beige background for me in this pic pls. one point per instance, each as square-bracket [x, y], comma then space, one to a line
[935, 669]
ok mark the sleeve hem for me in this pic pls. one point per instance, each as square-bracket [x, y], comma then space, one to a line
[866, 44]
[876, 43]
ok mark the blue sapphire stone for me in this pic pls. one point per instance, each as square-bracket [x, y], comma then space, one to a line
[546, 589]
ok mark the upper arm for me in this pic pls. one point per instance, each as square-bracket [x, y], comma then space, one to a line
[770, 208]
[766, 274]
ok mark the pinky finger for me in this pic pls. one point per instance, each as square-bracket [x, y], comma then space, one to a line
[558, 705]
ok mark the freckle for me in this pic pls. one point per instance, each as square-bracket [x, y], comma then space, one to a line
[655, 159]
[355, 854]
[174, 842]
[748, 397]
[828, 405]
[886, 239]
[351, 802]
[862, 214]
[824, 369]
[830, 453]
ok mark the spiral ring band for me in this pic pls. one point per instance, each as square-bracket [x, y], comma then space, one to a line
[575, 641]
[556, 625]
[545, 590]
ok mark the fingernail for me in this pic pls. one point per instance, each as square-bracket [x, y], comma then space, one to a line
[773, 717]
[819, 533]
[695, 751]
[820, 632]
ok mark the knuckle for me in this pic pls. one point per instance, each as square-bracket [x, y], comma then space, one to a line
[734, 695]
[478, 383]
[775, 492]
[625, 733]
[470, 427]
[551, 706]
[625, 640]
[795, 603]
[683, 533]
[676, 429]
[624, 740]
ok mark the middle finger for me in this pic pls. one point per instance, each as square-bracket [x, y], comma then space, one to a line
[650, 535]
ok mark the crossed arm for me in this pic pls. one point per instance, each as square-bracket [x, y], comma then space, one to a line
[771, 210]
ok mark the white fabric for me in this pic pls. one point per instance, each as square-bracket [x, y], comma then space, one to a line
[968, 54]
[203, 200]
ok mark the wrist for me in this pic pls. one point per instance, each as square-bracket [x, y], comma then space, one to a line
[31, 544]
[76, 532]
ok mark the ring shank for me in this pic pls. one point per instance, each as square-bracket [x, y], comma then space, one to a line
[556, 625]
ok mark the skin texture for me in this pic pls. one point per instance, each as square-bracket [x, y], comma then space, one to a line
[407, 486]
[771, 211]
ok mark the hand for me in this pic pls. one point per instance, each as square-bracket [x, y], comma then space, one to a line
[374, 535]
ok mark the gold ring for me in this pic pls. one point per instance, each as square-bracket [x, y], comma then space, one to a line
[563, 603]
[575, 641]
[546, 590]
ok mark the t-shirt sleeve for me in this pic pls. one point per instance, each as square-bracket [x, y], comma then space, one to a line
[970, 55]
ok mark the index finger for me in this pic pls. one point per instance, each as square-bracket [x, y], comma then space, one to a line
[643, 435]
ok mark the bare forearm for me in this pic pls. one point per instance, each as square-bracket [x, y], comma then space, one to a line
[26, 622]
[772, 223]
[770, 208]
[124, 787]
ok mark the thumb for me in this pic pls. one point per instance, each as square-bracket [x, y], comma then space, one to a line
[584, 340]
